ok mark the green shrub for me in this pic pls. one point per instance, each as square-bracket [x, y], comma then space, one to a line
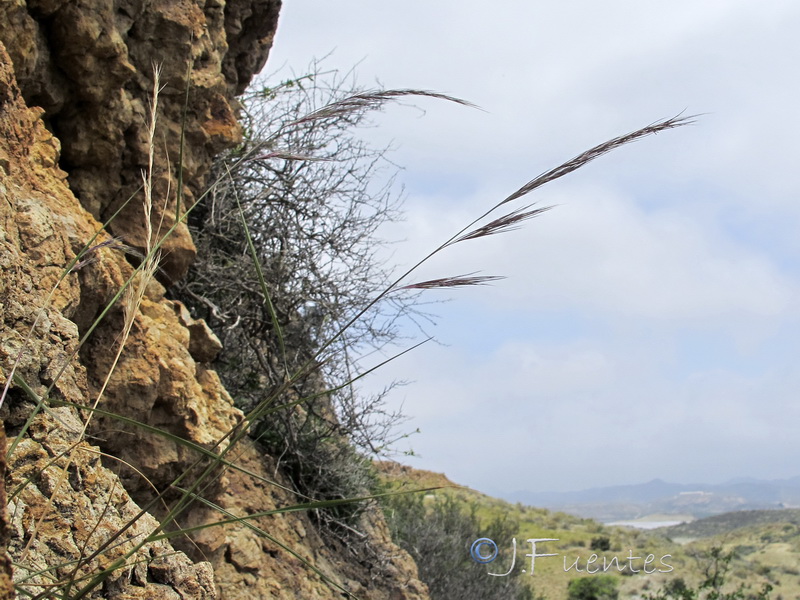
[601, 543]
[438, 535]
[594, 587]
[301, 215]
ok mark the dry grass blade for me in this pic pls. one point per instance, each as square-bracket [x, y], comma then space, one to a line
[508, 222]
[449, 282]
[134, 296]
[372, 100]
[596, 152]
[135, 293]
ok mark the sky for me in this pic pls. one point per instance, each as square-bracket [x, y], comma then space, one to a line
[649, 324]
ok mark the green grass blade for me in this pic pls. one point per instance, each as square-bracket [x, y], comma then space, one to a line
[305, 506]
[262, 281]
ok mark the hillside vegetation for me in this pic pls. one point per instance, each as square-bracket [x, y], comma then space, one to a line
[766, 544]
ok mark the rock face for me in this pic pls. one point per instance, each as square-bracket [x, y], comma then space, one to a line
[89, 64]
[75, 87]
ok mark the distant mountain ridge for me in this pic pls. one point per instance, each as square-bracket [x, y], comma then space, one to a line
[660, 497]
[728, 522]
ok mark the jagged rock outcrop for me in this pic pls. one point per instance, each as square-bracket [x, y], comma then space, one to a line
[74, 97]
[89, 64]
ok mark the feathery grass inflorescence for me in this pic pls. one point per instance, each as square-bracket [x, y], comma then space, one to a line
[513, 218]
[372, 100]
[509, 222]
[451, 282]
[596, 152]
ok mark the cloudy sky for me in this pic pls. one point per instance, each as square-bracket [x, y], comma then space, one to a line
[650, 323]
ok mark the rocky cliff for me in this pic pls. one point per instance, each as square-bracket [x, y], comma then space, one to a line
[76, 80]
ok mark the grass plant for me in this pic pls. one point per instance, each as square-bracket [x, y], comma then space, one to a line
[82, 577]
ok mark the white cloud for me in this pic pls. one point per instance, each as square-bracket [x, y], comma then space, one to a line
[531, 417]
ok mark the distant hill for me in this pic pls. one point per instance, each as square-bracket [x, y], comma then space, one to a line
[699, 500]
[728, 522]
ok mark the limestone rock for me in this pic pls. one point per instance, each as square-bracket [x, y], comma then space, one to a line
[89, 64]
[204, 346]
[68, 507]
